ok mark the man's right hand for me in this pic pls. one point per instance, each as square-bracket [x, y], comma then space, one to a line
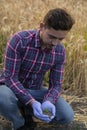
[38, 112]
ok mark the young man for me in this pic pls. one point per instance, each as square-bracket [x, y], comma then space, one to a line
[28, 56]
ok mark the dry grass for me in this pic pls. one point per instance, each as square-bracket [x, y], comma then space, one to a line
[20, 15]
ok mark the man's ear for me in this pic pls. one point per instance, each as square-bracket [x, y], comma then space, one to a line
[42, 26]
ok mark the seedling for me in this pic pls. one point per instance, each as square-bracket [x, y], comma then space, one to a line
[47, 112]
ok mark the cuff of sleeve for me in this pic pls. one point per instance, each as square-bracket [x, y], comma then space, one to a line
[49, 99]
[30, 101]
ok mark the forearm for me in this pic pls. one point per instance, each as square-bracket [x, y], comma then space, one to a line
[53, 94]
[22, 94]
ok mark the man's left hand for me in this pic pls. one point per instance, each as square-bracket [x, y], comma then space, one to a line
[47, 105]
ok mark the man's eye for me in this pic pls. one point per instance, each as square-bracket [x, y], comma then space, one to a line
[52, 37]
[61, 39]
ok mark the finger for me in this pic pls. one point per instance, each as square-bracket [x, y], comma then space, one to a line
[52, 117]
[53, 111]
[39, 111]
[44, 118]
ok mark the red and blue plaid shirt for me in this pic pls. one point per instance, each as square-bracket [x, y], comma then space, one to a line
[26, 64]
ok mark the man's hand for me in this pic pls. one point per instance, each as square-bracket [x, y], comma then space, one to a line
[38, 111]
[47, 105]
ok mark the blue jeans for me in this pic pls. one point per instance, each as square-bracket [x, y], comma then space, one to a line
[9, 107]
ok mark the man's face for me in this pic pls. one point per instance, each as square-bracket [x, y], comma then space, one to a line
[51, 37]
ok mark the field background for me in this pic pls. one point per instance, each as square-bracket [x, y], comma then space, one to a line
[17, 15]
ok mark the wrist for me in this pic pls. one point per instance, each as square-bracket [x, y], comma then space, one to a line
[31, 102]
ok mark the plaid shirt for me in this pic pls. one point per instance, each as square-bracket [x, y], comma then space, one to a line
[26, 64]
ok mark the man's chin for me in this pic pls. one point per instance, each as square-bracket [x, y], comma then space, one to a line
[48, 49]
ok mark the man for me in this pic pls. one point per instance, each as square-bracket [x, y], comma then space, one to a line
[29, 55]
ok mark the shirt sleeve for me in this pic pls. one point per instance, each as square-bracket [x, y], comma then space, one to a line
[55, 79]
[12, 67]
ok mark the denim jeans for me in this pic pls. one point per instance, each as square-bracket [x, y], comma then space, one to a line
[9, 107]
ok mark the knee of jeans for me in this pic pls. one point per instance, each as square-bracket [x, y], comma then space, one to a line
[69, 117]
[7, 97]
[66, 118]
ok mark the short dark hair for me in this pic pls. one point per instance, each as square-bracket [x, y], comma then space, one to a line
[58, 19]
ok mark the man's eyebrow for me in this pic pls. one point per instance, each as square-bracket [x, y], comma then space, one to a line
[52, 36]
[55, 37]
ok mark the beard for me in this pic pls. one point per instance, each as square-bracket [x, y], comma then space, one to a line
[45, 45]
[47, 48]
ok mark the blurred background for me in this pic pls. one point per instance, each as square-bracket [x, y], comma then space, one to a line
[17, 15]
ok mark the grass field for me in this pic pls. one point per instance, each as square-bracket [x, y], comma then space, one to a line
[17, 15]
[21, 15]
